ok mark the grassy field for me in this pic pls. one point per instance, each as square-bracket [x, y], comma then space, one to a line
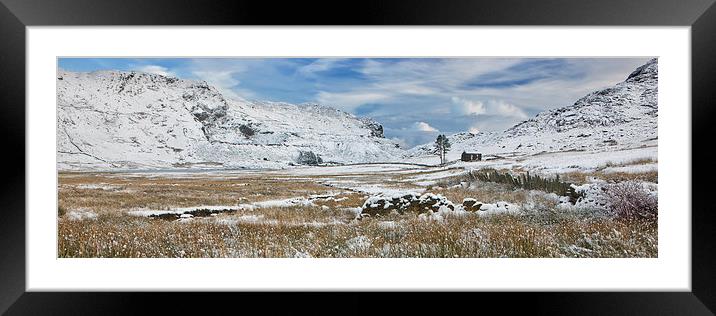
[97, 218]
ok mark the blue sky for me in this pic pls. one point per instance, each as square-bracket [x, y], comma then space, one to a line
[414, 98]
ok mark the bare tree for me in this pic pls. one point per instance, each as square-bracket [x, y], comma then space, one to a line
[442, 145]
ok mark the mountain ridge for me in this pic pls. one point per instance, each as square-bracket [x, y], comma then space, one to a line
[130, 120]
[624, 115]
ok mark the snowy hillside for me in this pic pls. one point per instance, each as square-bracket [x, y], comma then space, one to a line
[126, 120]
[619, 117]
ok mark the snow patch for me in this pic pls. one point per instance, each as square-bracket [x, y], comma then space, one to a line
[78, 215]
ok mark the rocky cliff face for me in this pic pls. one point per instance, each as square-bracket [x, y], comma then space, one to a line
[129, 120]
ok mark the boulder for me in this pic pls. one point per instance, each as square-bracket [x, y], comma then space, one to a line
[308, 158]
[471, 205]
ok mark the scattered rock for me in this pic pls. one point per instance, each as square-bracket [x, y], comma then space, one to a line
[247, 130]
[471, 205]
[308, 158]
[202, 212]
[407, 203]
[376, 130]
[434, 206]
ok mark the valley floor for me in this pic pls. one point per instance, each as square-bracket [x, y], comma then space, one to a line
[315, 212]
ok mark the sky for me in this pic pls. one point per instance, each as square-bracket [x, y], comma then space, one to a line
[415, 99]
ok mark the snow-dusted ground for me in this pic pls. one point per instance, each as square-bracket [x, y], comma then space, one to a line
[352, 169]
[389, 180]
[585, 161]
[560, 162]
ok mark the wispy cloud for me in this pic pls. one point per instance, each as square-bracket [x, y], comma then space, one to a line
[155, 69]
[220, 73]
[425, 127]
[351, 100]
[411, 97]
[319, 65]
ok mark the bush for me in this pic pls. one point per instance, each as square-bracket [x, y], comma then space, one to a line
[61, 211]
[629, 200]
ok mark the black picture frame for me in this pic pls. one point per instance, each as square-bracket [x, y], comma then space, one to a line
[15, 15]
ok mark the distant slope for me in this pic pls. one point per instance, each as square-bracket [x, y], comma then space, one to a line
[128, 120]
[622, 116]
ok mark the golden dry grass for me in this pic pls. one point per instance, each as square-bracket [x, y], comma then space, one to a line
[581, 177]
[327, 228]
[482, 191]
[113, 192]
[336, 234]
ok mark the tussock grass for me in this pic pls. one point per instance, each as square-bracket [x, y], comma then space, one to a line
[464, 236]
[638, 161]
[581, 177]
[109, 192]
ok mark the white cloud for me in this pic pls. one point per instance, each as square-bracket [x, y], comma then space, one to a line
[221, 74]
[221, 80]
[425, 127]
[320, 65]
[156, 69]
[349, 101]
[467, 107]
[490, 107]
[391, 80]
[503, 108]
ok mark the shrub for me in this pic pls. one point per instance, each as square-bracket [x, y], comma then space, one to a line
[61, 211]
[629, 200]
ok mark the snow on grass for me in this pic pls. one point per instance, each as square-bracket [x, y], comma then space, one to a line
[78, 215]
[181, 210]
[351, 169]
[354, 210]
[358, 243]
[364, 185]
[498, 208]
[298, 201]
[388, 224]
[435, 175]
[425, 183]
[291, 202]
[642, 168]
[98, 186]
[585, 161]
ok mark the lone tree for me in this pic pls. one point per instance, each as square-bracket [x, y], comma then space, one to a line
[442, 145]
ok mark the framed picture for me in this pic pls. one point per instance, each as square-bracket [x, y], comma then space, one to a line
[465, 147]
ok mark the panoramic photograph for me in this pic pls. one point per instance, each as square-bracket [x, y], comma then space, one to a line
[357, 157]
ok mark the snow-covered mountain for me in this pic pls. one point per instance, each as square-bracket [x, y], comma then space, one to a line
[622, 116]
[127, 120]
